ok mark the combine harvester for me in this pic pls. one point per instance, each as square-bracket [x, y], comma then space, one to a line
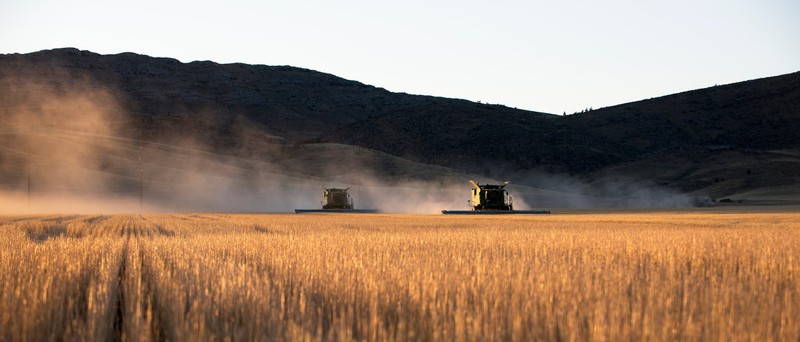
[491, 199]
[335, 200]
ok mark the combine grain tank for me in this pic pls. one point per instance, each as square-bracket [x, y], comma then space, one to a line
[491, 199]
[336, 200]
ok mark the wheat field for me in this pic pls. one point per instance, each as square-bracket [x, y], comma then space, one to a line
[603, 276]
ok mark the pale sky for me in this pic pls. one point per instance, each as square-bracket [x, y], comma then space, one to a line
[549, 56]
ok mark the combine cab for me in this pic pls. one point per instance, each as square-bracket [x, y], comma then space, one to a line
[491, 199]
[335, 200]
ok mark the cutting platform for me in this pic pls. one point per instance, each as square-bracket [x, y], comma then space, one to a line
[494, 212]
[337, 211]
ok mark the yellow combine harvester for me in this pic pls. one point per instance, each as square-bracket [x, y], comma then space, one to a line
[336, 200]
[491, 199]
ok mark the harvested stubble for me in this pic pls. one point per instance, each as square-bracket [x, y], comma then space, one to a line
[656, 276]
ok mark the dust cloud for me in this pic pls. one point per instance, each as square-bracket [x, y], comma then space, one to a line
[558, 191]
[75, 148]
[46, 142]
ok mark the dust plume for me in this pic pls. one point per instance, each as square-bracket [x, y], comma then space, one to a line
[47, 142]
[560, 191]
[69, 143]
[419, 197]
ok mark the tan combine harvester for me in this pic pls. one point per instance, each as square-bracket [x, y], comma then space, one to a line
[492, 199]
[336, 200]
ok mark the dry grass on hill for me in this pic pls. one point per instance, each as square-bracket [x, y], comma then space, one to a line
[660, 276]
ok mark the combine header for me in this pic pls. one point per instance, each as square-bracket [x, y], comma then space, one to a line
[335, 200]
[491, 199]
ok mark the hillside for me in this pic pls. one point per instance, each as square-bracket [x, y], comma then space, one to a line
[739, 140]
[761, 114]
[724, 140]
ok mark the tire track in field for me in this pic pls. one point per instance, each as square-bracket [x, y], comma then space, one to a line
[136, 316]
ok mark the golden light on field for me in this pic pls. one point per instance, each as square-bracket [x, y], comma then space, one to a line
[658, 276]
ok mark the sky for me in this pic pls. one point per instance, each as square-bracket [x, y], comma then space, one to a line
[547, 56]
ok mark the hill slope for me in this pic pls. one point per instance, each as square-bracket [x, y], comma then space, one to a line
[761, 114]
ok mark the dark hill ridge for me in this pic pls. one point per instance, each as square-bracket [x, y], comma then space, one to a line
[757, 114]
[291, 103]
[761, 114]
[699, 140]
